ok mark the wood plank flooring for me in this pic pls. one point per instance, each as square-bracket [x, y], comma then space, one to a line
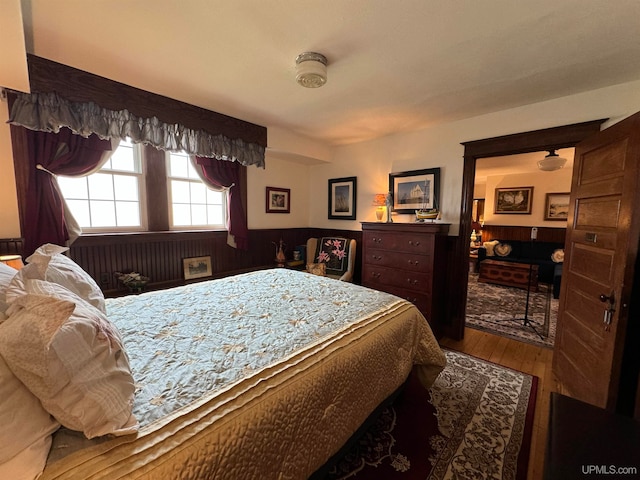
[526, 358]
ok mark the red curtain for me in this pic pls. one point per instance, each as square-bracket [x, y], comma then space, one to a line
[61, 153]
[222, 173]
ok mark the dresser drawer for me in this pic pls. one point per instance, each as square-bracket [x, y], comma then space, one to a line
[421, 300]
[404, 261]
[417, 281]
[399, 242]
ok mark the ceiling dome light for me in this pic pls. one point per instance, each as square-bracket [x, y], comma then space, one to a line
[551, 162]
[311, 69]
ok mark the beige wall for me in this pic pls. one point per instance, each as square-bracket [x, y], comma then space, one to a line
[305, 166]
[281, 174]
[9, 221]
[440, 146]
[542, 183]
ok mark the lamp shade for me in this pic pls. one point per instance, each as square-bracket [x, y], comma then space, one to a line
[551, 162]
[379, 200]
[311, 69]
[13, 261]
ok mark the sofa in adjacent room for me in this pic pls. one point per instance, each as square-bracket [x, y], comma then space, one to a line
[547, 255]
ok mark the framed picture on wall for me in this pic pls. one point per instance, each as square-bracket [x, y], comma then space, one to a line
[278, 200]
[557, 206]
[415, 190]
[342, 198]
[513, 200]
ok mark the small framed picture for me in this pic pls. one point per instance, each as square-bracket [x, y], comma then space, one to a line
[557, 206]
[513, 200]
[197, 267]
[415, 190]
[278, 200]
[342, 198]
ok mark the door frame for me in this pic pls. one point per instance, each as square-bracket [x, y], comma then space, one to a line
[566, 136]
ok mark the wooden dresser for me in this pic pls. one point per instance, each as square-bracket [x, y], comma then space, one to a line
[407, 260]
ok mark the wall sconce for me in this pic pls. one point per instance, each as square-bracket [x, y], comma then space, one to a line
[380, 200]
[13, 261]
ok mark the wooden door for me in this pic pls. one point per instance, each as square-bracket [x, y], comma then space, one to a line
[600, 256]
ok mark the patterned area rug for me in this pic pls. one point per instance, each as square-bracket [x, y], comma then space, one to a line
[475, 422]
[500, 310]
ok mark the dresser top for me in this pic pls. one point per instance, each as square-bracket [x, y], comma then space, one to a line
[423, 227]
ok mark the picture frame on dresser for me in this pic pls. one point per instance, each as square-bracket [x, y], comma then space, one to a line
[513, 200]
[415, 189]
[342, 198]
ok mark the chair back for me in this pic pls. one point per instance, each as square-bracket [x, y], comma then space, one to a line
[339, 255]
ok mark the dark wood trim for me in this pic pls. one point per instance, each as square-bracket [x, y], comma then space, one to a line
[538, 140]
[159, 255]
[157, 189]
[522, 233]
[80, 86]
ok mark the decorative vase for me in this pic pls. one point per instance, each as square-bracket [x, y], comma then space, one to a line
[280, 257]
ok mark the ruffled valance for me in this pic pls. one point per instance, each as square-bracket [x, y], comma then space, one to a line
[48, 112]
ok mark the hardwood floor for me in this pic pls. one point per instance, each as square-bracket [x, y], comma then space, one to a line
[526, 358]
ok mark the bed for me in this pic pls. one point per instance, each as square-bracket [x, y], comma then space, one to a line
[260, 375]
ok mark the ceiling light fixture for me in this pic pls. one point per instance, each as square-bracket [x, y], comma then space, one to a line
[551, 162]
[311, 69]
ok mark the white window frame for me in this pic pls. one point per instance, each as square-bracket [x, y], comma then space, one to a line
[211, 227]
[142, 195]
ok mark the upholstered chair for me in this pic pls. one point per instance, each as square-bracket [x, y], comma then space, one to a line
[339, 255]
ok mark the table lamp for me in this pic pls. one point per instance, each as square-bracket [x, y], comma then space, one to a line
[14, 261]
[379, 200]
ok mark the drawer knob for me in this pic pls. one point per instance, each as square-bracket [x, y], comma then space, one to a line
[412, 282]
[413, 262]
[377, 257]
[416, 243]
[377, 240]
[375, 275]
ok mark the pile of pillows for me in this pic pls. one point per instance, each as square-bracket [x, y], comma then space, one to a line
[61, 361]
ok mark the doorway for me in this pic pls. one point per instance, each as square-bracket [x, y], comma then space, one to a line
[526, 313]
[535, 141]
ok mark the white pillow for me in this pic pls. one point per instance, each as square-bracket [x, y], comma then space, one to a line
[6, 274]
[48, 263]
[489, 246]
[71, 357]
[25, 436]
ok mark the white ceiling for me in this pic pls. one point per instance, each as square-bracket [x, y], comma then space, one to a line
[393, 65]
[516, 164]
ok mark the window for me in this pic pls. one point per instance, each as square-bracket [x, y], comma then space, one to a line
[111, 198]
[191, 203]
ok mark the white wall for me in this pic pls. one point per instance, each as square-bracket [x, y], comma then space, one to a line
[281, 174]
[440, 146]
[542, 183]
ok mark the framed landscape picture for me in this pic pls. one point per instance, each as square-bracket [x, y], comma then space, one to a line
[342, 198]
[278, 200]
[513, 200]
[196, 267]
[415, 190]
[557, 206]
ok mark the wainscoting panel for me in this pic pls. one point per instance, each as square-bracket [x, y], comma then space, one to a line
[10, 246]
[508, 232]
[159, 255]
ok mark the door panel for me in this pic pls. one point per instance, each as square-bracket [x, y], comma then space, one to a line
[600, 254]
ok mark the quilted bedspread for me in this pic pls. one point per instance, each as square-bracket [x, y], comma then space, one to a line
[261, 375]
